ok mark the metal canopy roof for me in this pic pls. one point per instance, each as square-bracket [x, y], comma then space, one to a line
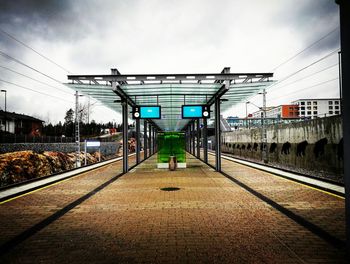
[170, 91]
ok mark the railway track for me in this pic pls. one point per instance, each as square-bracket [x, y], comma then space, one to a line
[313, 182]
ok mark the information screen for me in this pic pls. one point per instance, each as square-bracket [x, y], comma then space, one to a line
[192, 111]
[152, 112]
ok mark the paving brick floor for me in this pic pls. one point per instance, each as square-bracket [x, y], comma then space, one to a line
[209, 220]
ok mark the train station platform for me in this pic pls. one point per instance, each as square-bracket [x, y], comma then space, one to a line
[242, 216]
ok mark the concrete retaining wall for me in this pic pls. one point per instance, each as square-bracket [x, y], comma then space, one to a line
[107, 148]
[312, 147]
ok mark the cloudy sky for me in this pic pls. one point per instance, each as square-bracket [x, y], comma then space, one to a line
[158, 36]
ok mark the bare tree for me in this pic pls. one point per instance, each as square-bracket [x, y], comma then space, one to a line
[83, 113]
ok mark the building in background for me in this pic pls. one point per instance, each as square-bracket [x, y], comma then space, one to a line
[259, 113]
[283, 111]
[20, 124]
[313, 108]
[235, 122]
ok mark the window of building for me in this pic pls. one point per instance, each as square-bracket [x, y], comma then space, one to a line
[308, 103]
[302, 108]
[331, 112]
[330, 102]
[309, 108]
[302, 112]
[337, 112]
[336, 102]
[336, 107]
[315, 112]
[330, 107]
[309, 112]
[302, 103]
[315, 107]
[315, 102]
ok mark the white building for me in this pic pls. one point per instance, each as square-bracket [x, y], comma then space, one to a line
[313, 108]
[258, 114]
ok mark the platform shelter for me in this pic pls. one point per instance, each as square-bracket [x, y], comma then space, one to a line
[218, 92]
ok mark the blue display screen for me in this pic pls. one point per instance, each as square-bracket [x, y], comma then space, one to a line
[150, 112]
[191, 111]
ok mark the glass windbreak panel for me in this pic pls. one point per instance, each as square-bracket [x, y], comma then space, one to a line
[171, 144]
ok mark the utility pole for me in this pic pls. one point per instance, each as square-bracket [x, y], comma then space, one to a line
[77, 131]
[263, 127]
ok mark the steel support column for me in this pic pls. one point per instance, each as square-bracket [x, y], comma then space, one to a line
[188, 141]
[125, 136]
[138, 141]
[145, 141]
[345, 67]
[152, 135]
[198, 139]
[205, 140]
[150, 139]
[193, 139]
[190, 138]
[217, 136]
[154, 140]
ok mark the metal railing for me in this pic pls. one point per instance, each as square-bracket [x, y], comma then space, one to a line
[34, 139]
[248, 123]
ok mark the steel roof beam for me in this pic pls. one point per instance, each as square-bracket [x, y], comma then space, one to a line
[123, 78]
[123, 95]
[171, 94]
[117, 89]
[218, 94]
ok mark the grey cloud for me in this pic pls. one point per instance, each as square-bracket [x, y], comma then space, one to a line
[60, 20]
[33, 16]
[309, 20]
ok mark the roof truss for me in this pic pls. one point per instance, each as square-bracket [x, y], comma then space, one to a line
[170, 90]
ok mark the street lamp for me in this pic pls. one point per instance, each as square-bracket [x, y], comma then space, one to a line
[77, 130]
[263, 126]
[5, 91]
[260, 108]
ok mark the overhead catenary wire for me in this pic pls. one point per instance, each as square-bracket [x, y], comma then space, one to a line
[30, 89]
[28, 47]
[308, 47]
[302, 69]
[26, 65]
[305, 88]
[275, 86]
[310, 75]
[11, 70]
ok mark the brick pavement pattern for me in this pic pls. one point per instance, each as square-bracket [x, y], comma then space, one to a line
[209, 220]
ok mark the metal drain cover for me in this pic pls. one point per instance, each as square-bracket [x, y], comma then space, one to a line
[169, 189]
